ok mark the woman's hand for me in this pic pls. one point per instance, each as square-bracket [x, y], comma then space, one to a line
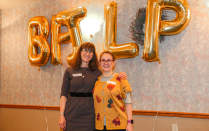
[123, 75]
[62, 122]
[129, 127]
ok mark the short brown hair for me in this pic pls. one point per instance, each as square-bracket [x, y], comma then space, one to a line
[107, 52]
[93, 63]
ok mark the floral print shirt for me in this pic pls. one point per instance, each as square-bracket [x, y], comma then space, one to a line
[111, 99]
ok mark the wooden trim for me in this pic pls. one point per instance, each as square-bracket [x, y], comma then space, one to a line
[30, 107]
[135, 112]
[171, 114]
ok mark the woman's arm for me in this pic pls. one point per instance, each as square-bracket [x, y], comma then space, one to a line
[62, 121]
[129, 116]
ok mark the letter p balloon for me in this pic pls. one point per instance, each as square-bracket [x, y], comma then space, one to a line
[154, 26]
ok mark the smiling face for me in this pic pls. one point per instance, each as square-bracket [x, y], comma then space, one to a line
[86, 55]
[106, 62]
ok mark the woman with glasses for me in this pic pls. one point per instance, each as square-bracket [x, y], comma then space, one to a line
[76, 103]
[112, 101]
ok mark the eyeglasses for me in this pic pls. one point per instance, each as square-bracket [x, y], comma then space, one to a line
[87, 50]
[104, 61]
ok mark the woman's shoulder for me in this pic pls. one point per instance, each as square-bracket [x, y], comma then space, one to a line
[116, 75]
[69, 69]
[97, 72]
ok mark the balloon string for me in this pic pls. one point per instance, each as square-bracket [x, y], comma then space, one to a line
[62, 70]
[157, 101]
[154, 121]
[44, 106]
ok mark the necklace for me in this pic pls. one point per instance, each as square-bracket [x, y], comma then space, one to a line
[108, 76]
[83, 74]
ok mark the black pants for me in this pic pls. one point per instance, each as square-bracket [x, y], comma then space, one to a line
[110, 130]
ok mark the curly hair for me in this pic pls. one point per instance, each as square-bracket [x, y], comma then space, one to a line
[93, 63]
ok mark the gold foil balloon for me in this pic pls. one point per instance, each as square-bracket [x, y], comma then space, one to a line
[35, 41]
[71, 19]
[155, 27]
[128, 50]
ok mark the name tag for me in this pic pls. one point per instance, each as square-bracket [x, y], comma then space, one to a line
[111, 82]
[78, 74]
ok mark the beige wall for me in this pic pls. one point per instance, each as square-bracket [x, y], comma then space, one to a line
[181, 80]
[34, 120]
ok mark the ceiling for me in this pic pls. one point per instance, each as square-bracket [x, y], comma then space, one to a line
[4, 4]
